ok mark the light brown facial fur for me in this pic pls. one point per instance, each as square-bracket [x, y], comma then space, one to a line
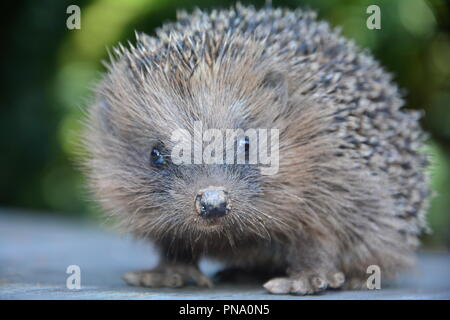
[350, 191]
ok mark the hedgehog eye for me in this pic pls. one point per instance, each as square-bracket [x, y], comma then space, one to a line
[156, 157]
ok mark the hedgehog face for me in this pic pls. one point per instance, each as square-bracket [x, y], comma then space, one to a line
[140, 177]
[131, 141]
[204, 196]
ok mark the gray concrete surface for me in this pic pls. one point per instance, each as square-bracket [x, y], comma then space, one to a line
[35, 252]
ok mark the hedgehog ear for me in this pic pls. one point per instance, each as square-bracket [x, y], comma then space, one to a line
[277, 82]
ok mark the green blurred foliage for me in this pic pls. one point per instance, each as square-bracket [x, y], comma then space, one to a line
[47, 71]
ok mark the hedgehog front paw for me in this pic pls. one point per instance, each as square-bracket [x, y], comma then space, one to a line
[305, 283]
[172, 276]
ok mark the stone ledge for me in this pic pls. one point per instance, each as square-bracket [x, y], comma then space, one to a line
[35, 252]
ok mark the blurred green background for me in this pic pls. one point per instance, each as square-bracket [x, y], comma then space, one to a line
[46, 72]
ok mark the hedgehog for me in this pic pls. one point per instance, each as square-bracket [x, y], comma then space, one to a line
[350, 190]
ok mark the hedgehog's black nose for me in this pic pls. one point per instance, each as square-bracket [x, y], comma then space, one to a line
[212, 202]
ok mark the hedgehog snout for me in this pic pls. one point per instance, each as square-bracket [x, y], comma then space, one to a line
[212, 202]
